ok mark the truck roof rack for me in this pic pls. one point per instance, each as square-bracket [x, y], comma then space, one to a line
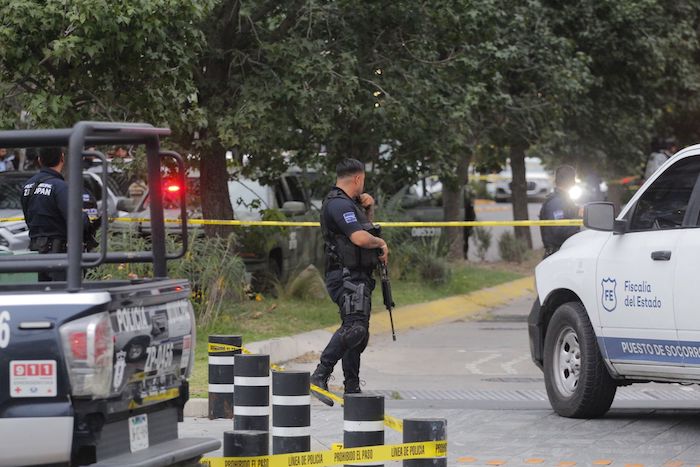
[85, 134]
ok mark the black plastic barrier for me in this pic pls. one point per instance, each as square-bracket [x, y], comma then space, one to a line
[291, 412]
[363, 425]
[425, 429]
[251, 397]
[222, 350]
[246, 443]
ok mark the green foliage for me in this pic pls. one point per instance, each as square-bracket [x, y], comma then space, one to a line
[423, 258]
[412, 88]
[216, 274]
[96, 59]
[482, 239]
[307, 285]
[512, 249]
[259, 240]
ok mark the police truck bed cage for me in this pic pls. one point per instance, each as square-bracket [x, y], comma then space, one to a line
[76, 139]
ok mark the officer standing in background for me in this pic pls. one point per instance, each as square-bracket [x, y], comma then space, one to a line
[45, 206]
[559, 206]
[352, 252]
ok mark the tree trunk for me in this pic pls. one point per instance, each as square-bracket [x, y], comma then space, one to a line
[453, 201]
[216, 203]
[519, 192]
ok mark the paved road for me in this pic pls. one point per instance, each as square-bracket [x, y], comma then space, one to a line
[477, 374]
[503, 212]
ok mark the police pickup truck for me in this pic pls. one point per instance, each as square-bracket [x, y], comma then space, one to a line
[618, 304]
[95, 373]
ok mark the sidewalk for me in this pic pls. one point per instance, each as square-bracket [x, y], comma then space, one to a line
[422, 315]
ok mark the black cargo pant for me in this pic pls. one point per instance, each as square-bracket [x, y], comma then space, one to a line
[44, 246]
[337, 347]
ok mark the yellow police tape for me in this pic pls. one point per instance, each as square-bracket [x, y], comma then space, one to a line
[364, 454]
[389, 421]
[239, 223]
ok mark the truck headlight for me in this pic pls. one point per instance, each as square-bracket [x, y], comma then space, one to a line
[88, 347]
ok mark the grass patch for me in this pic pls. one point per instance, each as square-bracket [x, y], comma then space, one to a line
[270, 317]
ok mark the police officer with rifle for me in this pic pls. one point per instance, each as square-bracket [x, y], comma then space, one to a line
[45, 206]
[351, 250]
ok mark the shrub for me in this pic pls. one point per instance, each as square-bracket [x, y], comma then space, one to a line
[435, 270]
[216, 273]
[512, 249]
[211, 266]
[482, 240]
[307, 285]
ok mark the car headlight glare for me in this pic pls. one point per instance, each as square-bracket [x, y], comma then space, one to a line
[575, 192]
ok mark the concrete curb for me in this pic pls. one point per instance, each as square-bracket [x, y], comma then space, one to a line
[421, 315]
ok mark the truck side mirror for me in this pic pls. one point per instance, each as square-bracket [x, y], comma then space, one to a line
[599, 216]
[293, 208]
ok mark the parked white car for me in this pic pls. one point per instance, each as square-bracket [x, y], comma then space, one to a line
[618, 303]
[539, 181]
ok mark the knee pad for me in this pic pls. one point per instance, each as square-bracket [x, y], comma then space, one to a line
[355, 335]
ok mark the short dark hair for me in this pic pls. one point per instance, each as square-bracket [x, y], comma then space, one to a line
[564, 174]
[50, 157]
[349, 167]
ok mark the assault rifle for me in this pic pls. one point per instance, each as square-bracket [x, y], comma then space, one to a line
[386, 293]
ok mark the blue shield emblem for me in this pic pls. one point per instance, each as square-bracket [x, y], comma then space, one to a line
[609, 297]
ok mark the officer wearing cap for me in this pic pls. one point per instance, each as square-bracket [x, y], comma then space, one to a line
[45, 206]
[352, 253]
[559, 206]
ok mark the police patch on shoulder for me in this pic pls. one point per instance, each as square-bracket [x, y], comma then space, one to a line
[349, 217]
[558, 214]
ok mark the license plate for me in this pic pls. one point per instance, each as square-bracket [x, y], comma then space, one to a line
[33, 378]
[138, 432]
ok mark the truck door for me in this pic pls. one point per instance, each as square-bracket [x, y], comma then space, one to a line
[686, 292]
[635, 276]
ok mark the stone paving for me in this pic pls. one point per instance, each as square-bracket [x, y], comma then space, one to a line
[477, 375]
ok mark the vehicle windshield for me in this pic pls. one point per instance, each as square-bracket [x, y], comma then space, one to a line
[247, 195]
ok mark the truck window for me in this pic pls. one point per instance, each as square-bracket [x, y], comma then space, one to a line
[664, 203]
[295, 190]
[93, 187]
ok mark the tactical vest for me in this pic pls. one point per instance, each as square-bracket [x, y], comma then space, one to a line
[340, 251]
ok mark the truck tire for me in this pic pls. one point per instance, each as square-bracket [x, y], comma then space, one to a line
[577, 380]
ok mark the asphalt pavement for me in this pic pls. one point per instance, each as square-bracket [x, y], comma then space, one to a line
[477, 374]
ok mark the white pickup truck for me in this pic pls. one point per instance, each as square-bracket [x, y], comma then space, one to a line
[618, 304]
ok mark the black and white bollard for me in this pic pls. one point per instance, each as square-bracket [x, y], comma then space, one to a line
[363, 425]
[251, 398]
[222, 350]
[246, 443]
[291, 412]
[425, 429]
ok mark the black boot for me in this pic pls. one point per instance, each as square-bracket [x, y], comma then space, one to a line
[352, 387]
[319, 378]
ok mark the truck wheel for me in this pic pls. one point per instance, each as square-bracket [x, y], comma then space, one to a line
[578, 383]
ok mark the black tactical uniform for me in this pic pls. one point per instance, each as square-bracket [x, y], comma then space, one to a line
[557, 206]
[350, 284]
[45, 206]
